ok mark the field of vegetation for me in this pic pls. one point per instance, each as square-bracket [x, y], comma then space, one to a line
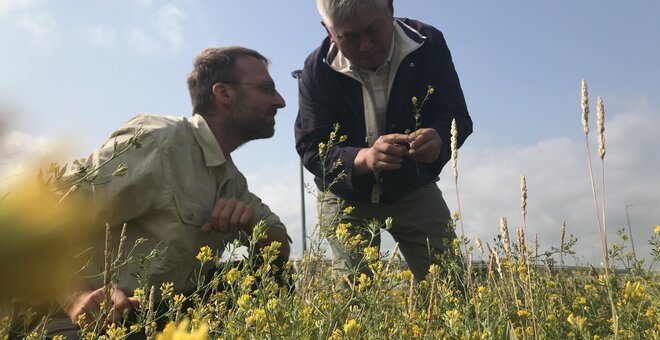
[506, 290]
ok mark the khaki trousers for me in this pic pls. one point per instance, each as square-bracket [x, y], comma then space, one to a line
[420, 225]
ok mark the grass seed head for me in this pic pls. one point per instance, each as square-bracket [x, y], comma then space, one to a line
[585, 107]
[601, 127]
[454, 147]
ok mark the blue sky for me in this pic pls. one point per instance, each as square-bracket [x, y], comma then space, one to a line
[76, 70]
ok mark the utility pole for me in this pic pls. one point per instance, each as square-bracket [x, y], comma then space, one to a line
[297, 74]
[630, 232]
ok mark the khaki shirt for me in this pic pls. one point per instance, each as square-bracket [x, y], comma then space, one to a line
[167, 194]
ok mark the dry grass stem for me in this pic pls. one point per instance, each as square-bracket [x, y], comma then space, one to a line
[601, 152]
[536, 246]
[561, 243]
[107, 286]
[599, 225]
[389, 262]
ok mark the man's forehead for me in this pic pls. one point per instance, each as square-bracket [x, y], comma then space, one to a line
[360, 21]
[253, 68]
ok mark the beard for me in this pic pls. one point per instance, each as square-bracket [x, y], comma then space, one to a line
[251, 123]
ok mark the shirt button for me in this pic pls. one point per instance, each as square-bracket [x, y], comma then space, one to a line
[412, 64]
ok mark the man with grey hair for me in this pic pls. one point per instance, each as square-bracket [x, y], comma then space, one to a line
[182, 190]
[370, 75]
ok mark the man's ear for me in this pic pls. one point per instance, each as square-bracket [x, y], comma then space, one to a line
[327, 30]
[222, 93]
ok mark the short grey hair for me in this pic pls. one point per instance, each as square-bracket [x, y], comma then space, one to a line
[336, 11]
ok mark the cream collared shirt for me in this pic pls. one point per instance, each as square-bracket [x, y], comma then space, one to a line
[167, 194]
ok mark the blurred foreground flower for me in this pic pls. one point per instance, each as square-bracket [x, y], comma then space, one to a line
[180, 332]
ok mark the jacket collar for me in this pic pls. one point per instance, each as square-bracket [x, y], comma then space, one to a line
[213, 155]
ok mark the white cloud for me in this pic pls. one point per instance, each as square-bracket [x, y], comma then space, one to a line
[164, 32]
[145, 3]
[8, 6]
[33, 18]
[168, 24]
[142, 41]
[102, 36]
[17, 152]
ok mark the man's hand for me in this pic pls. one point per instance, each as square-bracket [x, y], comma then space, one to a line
[230, 215]
[386, 154]
[89, 302]
[425, 145]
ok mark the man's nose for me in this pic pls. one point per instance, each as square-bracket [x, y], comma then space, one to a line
[279, 101]
[365, 44]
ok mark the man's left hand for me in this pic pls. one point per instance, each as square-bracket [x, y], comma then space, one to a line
[425, 146]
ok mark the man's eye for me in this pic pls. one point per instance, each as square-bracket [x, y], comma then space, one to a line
[268, 89]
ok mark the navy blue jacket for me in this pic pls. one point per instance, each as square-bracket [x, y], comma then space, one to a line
[327, 97]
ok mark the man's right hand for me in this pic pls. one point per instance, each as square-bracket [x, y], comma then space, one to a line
[230, 215]
[89, 302]
[386, 154]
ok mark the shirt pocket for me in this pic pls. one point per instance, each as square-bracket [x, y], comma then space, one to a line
[191, 213]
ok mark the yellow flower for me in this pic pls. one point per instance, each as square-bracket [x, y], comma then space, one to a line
[272, 303]
[351, 328]
[205, 254]
[232, 275]
[434, 270]
[523, 313]
[633, 291]
[179, 299]
[243, 301]
[406, 275]
[257, 316]
[657, 229]
[174, 332]
[371, 254]
[414, 101]
[138, 293]
[481, 290]
[249, 280]
[577, 321]
[342, 230]
[417, 331]
[581, 300]
[430, 90]
[321, 147]
[115, 332]
[348, 210]
[166, 289]
[336, 335]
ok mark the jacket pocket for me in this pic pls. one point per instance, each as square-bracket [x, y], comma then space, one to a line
[191, 213]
